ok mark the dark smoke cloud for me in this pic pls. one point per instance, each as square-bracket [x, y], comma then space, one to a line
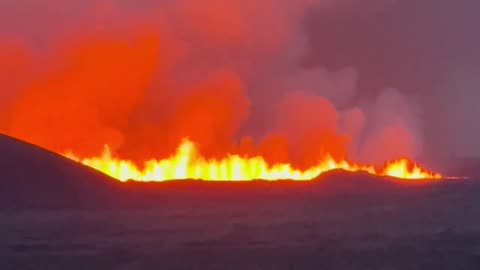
[231, 75]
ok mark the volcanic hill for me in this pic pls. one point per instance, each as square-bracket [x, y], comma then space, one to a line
[33, 177]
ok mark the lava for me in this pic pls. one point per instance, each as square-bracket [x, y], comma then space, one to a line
[188, 163]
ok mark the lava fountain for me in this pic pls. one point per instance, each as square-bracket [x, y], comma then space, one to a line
[188, 163]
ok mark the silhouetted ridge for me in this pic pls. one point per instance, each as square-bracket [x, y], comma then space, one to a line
[34, 177]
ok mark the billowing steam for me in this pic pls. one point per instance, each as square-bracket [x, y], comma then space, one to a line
[140, 76]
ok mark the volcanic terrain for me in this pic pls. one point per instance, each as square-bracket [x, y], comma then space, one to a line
[58, 214]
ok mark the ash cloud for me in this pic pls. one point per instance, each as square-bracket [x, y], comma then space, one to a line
[227, 74]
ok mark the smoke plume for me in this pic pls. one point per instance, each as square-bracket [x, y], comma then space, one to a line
[141, 75]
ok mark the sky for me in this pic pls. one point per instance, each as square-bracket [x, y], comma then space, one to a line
[371, 79]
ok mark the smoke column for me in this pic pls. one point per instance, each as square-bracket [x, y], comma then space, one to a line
[141, 75]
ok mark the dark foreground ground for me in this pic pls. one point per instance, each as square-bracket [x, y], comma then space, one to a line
[341, 227]
[56, 214]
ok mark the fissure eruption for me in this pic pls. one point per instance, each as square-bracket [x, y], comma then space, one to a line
[212, 90]
[188, 163]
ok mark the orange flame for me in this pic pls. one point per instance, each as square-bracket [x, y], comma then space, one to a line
[188, 163]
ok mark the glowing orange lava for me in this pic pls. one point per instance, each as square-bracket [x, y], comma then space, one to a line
[188, 163]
